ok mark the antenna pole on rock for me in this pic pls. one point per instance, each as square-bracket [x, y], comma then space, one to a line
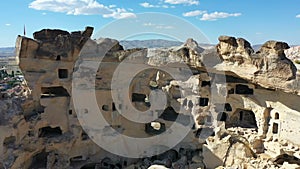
[24, 30]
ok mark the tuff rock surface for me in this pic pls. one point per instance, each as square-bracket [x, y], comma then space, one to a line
[244, 106]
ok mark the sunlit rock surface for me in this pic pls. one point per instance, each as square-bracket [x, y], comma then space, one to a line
[243, 106]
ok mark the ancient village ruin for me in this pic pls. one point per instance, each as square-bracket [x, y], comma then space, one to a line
[256, 110]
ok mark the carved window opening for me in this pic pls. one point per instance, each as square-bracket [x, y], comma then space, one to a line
[190, 104]
[275, 128]
[155, 128]
[276, 116]
[228, 107]
[84, 136]
[105, 108]
[113, 107]
[138, 97]
[50, 132]
[243, 89]
[48, 92]
[241, 115]
[63, 73]
[58, 57]
[203, 102]
[205, 83]
[222, 116]
[184, 102]
[204, 133]
[169, 114]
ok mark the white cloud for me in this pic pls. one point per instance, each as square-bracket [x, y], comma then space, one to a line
[7, 24]
[186, 2]
[44, 13]
[148, 5]
[218, 15]
[120, 13]
[194, 13]
[112, 6]
[298, 16]
[80, 7]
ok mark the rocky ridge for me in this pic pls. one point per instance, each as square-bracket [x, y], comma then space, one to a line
[243, 104]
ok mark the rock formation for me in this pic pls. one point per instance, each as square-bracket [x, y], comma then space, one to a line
[269, 67]
[243, 105]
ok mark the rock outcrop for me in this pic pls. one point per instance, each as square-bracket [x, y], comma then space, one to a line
[240, 107]
[232, 49]
[268, 67]
[273, 62]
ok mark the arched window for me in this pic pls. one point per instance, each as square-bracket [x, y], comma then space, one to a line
[276, 115]
[58, 57]
[275, 128]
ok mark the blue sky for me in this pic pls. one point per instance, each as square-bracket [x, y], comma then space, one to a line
[255, 20]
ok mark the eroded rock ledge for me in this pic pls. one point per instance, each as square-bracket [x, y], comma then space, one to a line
[268, 66]
[244, 104]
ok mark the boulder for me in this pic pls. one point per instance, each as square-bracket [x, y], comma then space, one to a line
[274, 49]
[234, 50]
[273, 63]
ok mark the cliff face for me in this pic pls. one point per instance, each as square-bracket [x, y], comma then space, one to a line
[230, 106]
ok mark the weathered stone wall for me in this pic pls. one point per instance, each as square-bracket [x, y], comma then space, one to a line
[244, 105]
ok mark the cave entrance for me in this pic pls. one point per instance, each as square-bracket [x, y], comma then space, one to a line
[140, 101]
[203, 102]
[228, 107]
[63, 73]
[169, 114]
[205, 83]
[50, 132]
[155, 128]
[57, 91]
[242, 118]
[243, 89]
[39, 160]
[138, 97]
[222, 116]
